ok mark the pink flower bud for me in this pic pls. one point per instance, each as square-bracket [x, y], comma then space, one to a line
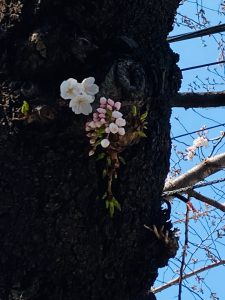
[109, 107]
[91, 152]
[107, 130]
[98, 124]
[103, 106]
[117, 105]
[102, 116]
[103, 121]
[103, 100]
[116, 114]
[92, 124]
[120, 122]
[113, 128]
[105, 143]
[121, 131]
[110, 102]
[95, 115]
[87, 128]
[101, 110]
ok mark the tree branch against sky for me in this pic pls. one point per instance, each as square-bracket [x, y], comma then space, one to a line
[201, 88]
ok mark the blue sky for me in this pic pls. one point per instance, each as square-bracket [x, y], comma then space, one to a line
[195, 52]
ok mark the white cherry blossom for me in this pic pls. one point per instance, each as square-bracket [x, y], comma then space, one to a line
[200, 141]
[81, 104]
[70, 88]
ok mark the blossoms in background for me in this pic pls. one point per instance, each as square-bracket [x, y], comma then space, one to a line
[197, 143]
[81, 95]
[107, 124]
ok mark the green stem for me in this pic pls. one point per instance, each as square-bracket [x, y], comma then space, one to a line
[110, 187]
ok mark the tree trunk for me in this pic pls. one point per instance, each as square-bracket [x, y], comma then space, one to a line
[57, 239]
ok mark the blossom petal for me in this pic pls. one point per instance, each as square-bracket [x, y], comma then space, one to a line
[76, 109]
[70, 88]
[91, 98]
[85, 108]
[92, 89]
[72, 102]
[88, 81]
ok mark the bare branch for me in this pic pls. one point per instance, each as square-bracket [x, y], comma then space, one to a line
[206, 168]
[207, 200]
[182, 267]
[196, 186]
[188, 275]
[190, 100]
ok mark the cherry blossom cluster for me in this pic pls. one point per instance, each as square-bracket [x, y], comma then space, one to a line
[81, 95]
[197, 143]
[107, 124]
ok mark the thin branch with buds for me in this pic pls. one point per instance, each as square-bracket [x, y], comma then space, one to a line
[188, 275]
[207, 200]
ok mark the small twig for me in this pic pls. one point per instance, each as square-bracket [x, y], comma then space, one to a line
[207, 200]
[186, 276]
[182, 267]
[214, 147]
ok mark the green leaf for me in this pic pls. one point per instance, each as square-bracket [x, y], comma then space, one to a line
[142, 134]
[107, 204]
[111, 208]
[144, 116]
[134, 110]
[100, 156]
[116, 204]
[122, 160]
[25, 108]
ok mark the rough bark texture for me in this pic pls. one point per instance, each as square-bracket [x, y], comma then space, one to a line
[57, 240]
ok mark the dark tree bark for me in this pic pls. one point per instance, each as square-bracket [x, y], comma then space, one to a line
[57, 239]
